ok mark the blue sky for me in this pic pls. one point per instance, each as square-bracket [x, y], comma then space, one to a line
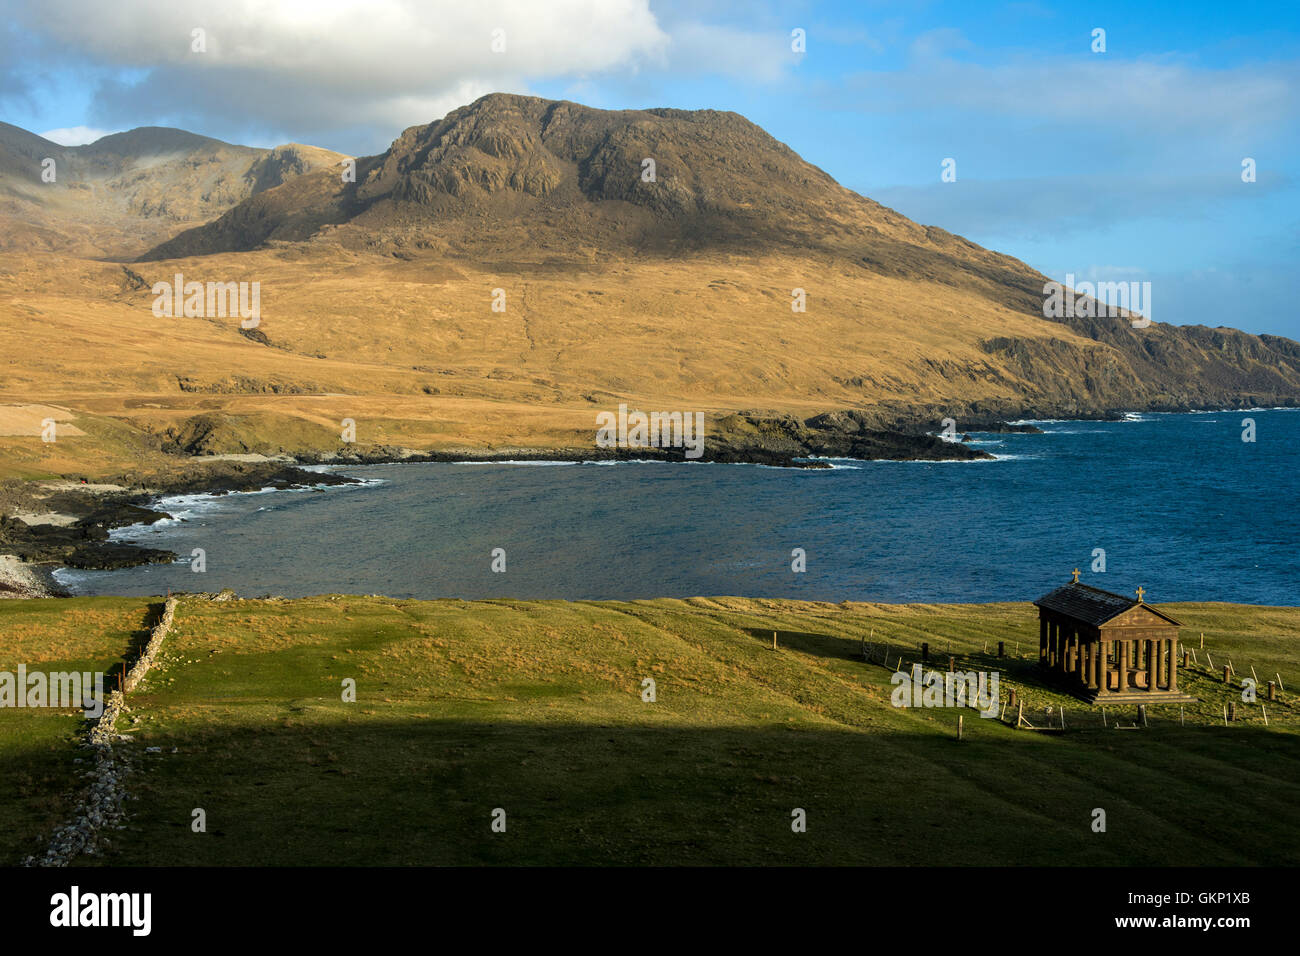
[1117, 165]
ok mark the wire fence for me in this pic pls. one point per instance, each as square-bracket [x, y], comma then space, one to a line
[1224, 696]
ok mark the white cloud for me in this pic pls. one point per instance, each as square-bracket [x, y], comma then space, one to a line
[75, 135]
[321, 64]
[763, 56]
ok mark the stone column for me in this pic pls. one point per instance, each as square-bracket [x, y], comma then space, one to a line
[1161, 680]
[1173, 663]
[1103, 665]
[1152, 656]
[1125, 652]
[1042, 640]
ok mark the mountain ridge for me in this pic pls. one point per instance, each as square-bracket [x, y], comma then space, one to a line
[380, 305]
[135, 187]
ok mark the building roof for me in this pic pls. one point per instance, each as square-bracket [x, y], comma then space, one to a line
[1092, 605]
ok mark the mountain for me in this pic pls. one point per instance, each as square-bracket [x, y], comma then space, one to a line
[514, 177]
[128, 190]
[498, 277]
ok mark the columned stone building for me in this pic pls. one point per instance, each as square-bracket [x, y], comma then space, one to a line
[1108, 648]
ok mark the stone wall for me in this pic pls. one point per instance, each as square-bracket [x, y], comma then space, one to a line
[101, 806]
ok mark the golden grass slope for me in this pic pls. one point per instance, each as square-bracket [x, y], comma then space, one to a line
[414, 353]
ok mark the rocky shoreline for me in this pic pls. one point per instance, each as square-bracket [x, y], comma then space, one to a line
[67, 523]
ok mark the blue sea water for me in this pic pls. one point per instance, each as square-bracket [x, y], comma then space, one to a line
[1180, 504]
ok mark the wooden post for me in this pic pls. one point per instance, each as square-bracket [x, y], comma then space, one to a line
[960, 718]
[1184, 658]
[1280, 685]
[1020, 713]
[952, 665]
[1253, 674]
[1272, 690]
[1264, 711]
[1002, 648]
[1232, 710]
[1062, 718]
[1202, 640]
[774, 640]
[1142, 712]
[1012, 697]
[1181, 721]
[925, 650]
[1226, 671]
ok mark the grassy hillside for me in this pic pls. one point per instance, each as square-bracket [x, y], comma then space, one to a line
[498, 277]
[536, 708]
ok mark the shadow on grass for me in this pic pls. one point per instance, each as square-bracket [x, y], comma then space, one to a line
[807, 642]
[331, 788]
[139, 639]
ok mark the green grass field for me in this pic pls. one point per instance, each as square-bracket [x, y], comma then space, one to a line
[38, 747]
[535, 707]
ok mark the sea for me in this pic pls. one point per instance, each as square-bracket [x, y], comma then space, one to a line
[1182, 505]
